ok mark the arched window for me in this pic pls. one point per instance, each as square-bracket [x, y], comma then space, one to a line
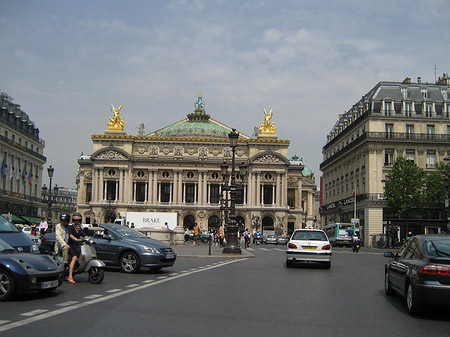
[189, 221]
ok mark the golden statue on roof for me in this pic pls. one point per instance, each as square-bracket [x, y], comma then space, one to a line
[116, 123]
[267, 128]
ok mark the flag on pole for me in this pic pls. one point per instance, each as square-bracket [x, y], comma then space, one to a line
[4, 167]
[30, 178]
[10, 172]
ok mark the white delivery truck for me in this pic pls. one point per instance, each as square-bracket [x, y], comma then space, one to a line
[155, 220]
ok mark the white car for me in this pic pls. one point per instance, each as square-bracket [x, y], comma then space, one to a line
[309, 245]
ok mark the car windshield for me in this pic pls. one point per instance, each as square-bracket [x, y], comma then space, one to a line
[309, 235]
[5, 247]
[129, 233]
[438, 247]
[7, 227]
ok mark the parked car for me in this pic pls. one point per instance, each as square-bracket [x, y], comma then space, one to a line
[282, 240]
[131, 250]
[16, 238]
[47, 243]
[420, 272]
[23, 272]
[271, 239]
[309, 245]
[204, 237]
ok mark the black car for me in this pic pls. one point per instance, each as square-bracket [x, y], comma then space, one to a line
[420, 272]
[47, 243]
[21, 241]
[23, 272]
[130, 250]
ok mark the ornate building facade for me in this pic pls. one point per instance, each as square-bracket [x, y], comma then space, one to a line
[178, 169]
[393, 119]
[22, 162]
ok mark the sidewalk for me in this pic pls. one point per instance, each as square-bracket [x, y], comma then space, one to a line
[202, 250]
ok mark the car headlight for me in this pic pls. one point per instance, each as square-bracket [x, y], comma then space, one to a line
[150, 249]
[34, 248]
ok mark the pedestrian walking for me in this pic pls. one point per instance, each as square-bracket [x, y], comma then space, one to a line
[33, 228]
[43, 226]
[187, 234]
[197, 232]
[247, 237]
[221, 236]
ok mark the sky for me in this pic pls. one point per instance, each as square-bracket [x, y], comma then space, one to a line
[66, 62]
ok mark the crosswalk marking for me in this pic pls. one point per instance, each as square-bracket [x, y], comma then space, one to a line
[34, 312]
[66, 304]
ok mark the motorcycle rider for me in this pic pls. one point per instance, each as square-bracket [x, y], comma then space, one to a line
[62, 238]
[355, 241]
[75, 237]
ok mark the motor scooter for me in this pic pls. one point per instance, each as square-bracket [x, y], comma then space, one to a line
[88, 262]
[355, 246]
[258, 238]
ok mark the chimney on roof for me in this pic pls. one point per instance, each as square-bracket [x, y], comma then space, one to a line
[407, 80]
[419, 79]
[444, 80]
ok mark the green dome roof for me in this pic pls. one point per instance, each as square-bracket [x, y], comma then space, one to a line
[306, 171]
[195, 129]
[197, 125]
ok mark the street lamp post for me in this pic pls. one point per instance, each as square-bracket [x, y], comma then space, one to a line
[232, 246]
[51, 196]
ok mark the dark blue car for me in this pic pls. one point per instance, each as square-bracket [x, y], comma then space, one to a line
[23, 272]
[16, 238]
[130, 250]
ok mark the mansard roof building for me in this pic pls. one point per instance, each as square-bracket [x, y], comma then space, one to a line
[22, 161]
[393, 119]
[177, 168]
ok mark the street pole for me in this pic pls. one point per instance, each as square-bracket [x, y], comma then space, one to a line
[50, 171]
[232, 246]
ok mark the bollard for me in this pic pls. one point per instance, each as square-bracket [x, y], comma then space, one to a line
[209, 243]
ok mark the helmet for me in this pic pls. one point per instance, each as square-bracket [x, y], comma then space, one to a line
[77, 216]
[64, 217]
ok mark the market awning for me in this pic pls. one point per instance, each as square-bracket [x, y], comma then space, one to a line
[16, 219]
[31, 218]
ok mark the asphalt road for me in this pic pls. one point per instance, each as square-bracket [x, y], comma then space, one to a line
[218, 296]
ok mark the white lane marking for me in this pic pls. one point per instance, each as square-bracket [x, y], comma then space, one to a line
[92, 296]
[47, 314]
[266, 249]
[133, 285]
[113, 290]
[161, 277]
[65, 304]
[34, 312]
[148, 281]
[4, 321]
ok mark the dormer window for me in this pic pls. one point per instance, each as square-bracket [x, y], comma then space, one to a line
[388, 108]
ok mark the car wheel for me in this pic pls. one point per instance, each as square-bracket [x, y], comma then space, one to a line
[411, 302]
[129, 262]
[7, 285]
[327, 264]
[289, 263]
[387, 285]
[96, 275]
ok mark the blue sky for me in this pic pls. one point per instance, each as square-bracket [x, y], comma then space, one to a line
[66, 62]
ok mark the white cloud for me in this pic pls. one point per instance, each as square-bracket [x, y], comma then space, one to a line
[309, 61]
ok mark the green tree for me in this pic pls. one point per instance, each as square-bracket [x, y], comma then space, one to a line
[433, 195]
[403, 189]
